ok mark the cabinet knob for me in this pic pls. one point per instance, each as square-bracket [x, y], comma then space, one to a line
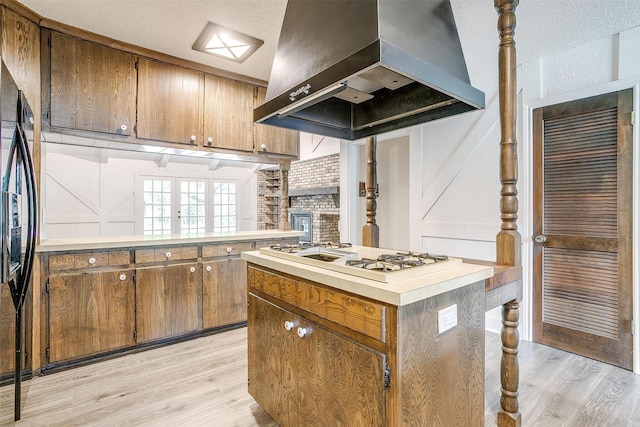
[303, 332]
[208, 268]
[122, 276]
[168, 254]
[209, 140]
[192, 269]
[92, 261]
[289, 325]
[229, 250]
[193, 139]
[123, 127]
[263, 146]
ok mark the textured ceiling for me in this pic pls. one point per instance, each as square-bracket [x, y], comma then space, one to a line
[544, 27]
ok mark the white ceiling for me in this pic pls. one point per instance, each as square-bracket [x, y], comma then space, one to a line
[544, 27]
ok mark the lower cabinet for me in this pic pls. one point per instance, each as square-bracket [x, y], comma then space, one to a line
[224, 292]
[304, 374]
[7, 331]
[90, 313]
[167, 302]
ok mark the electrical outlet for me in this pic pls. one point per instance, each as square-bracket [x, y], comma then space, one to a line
[447, 318]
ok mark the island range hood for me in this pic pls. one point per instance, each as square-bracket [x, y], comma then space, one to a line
[355, 68]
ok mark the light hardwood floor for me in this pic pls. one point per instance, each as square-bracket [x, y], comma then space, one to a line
[203, 382]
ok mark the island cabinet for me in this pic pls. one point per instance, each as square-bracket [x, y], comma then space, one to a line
[90, 304]
[272, 139]
[228, 114]
[91, 87]
[321, 355]
[167, 293]
[169, 103]
[224, 284]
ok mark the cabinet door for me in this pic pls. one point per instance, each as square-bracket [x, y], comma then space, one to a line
[228, 114]
[90, 313]
[313, 377]
[224, 292]
[166, 301]
[93, 87]
[272, 139]
[7, 330]
[169, 103]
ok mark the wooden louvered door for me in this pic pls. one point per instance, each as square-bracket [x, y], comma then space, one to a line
[583, 208]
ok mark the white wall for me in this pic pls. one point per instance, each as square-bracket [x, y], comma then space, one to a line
[90, 192]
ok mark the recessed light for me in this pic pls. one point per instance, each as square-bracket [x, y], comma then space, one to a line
[226, 43]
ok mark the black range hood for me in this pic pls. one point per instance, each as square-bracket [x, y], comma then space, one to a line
[356, 68]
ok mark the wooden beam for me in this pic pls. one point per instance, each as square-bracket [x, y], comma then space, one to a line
[370, 231]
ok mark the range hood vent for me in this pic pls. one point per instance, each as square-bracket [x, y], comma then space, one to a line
[354, 68]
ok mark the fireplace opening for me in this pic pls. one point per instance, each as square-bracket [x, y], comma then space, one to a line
[302, 221]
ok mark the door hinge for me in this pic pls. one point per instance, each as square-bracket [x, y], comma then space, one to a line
[47, 287]
[387, 376]
[135, 335]
[47, 353]
[26, 358]
[136, 65]
[49, 41]
[633, 118]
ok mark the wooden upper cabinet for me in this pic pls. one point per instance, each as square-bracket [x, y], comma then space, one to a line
[228, 114]
[275, 140]
[93, 87]
[170, 100]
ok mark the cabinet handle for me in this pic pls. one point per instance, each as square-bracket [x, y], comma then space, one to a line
[123, 127]
[92, 261]
[209, 140]
[193, 139]
[122, 276]
[303, 332]
[168, 254]
[229, 250]
[289, 325]
[263, 146]
[208, 268]
[192, 269]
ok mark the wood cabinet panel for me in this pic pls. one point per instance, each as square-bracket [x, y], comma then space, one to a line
[90, 313]
[93, 87]
[272, 139]
[226, 249]
[228, 114]
[320, 378]
[170, 100]
[167, 301]
[75, 261]
[224, 292]
[166, 253]
[7, 330]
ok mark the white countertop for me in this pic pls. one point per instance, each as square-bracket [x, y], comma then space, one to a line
[83, 243]
[397, 293]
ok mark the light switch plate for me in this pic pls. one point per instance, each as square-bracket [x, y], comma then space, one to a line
[447, 318]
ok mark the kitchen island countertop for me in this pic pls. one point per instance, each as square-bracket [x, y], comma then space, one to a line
[398, 293]
[108, 242]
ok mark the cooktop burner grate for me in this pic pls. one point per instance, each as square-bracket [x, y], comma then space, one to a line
[292, 249]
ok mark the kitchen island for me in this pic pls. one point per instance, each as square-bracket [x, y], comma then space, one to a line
[330, 348]
[101, 297]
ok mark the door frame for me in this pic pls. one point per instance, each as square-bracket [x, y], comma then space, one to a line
[526, 136]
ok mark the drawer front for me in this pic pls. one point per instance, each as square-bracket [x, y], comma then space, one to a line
[166, 253]
[226, 249]
[84, 260]
[359, 314]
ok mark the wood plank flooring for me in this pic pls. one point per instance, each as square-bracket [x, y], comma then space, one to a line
[203, 382]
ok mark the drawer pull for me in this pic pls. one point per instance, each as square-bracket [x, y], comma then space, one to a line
[303, 332]
[168, 254]
[229, 250]
[192, 269]
[289, 325]
[122, 276]
[92, 261]
[208, 268]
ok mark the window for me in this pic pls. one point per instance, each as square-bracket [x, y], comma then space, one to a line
[157, 206]
[185, 205]
[224, 206]
[192, 207]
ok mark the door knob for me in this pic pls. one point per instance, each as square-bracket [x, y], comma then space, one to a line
[540, 238]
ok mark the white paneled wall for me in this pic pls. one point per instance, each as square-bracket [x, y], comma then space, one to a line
[90, 192]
